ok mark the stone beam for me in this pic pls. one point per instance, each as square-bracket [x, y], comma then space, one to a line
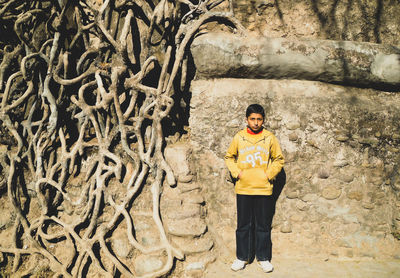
[359, 64]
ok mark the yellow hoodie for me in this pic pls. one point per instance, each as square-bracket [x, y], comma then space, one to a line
[258, 157]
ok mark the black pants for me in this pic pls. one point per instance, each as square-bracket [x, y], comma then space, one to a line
[254, 218]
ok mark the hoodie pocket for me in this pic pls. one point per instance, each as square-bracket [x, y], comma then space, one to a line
[254, 177]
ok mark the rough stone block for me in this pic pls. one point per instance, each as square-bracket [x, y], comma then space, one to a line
[331, 193]
[146, 264]
[355, 195]
[187, 187]
[309, 197]
[193, 198]
[367, 205]
[293, 137]
[192, 227]
[183, 212]
[186, 179]
[193, 246]
[286, 227]
[121, 247]
[346, 178]
[178, 157]
[292, 194]
[195, 266]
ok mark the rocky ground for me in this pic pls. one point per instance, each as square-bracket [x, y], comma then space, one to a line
[308, 268]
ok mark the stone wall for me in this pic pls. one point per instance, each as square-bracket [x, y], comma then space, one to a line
[342, 149]
[348, 20]
[342, 144]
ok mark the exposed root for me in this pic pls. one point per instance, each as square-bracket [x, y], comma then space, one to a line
[80, 113]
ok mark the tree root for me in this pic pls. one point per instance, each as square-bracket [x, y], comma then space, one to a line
[82, 117]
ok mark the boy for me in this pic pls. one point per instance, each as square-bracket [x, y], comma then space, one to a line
[254, 158]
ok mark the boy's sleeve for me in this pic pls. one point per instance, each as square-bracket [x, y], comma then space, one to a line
[277, 159]
[231, 157]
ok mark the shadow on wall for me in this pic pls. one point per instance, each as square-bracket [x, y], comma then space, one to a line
[371, 20]
[339, 19]
[279, 184]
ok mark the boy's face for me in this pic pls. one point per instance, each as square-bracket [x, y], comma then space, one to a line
[255, 121]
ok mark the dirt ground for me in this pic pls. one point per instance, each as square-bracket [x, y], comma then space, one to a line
[308, 268]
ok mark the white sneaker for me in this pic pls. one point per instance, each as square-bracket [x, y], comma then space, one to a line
[238, 265]
[266, 266]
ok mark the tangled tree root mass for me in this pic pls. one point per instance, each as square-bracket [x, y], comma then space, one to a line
[85, 87]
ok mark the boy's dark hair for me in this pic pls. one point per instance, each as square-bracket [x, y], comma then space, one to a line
[255, 108]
